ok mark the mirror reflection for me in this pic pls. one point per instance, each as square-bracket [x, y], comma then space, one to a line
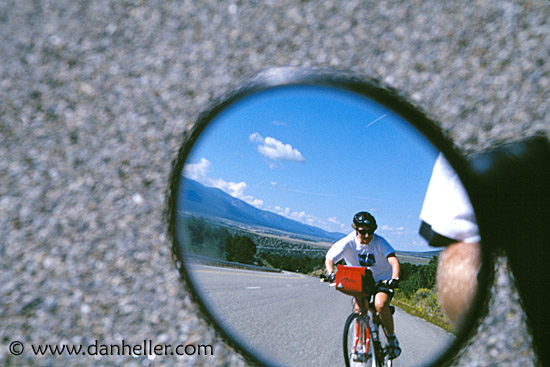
[272, 184]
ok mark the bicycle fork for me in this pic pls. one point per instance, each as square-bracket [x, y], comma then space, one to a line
[362, 333]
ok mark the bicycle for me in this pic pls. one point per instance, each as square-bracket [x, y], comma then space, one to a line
[362, 338]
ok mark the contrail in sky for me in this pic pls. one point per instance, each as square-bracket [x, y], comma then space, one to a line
[381, 117]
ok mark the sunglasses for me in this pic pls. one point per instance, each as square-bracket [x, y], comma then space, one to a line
[366, 231]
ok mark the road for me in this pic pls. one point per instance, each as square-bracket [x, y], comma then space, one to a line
[294, 320]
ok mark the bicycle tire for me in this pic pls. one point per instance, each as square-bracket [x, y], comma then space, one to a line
[357, 332]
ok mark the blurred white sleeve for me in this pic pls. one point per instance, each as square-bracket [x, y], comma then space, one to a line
[447, 208]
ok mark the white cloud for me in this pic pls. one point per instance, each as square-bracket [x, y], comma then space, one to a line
[299, 216]
[337, 226]
[418, 244]
[395, 230]
[330, 224]
[255, 138]
[199, 172]
[275, 149]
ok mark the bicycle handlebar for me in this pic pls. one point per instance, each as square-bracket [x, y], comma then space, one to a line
[327, 278]
[390, 283]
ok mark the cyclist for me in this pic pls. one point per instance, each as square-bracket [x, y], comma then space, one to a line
[364, 248]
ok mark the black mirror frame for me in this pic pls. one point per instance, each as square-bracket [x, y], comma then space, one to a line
[362, 86]
[512, 194]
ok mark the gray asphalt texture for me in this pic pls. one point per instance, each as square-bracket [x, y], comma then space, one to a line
[296, 320]
[95, 97]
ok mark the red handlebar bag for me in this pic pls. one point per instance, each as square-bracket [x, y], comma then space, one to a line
[355, 281]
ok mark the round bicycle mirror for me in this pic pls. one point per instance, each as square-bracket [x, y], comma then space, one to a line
[269, 179]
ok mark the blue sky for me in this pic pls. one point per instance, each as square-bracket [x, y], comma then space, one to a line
[319, 155]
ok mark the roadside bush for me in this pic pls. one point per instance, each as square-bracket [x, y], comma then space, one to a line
[422, 294]
[240, 249]
[203, 238]
[302, 264]
[426, 301]
[415, 277]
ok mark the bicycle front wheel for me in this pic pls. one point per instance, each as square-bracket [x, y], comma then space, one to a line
[357, 342]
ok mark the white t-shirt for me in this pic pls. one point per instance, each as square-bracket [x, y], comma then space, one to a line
[447, 208]
[355, 254]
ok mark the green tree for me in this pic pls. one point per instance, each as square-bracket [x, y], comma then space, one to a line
[205, 239]
[415, 277]
[429, 273]
[411, 283]
[196, 227]
[240, 249]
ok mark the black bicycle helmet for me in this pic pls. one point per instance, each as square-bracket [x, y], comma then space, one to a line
[364, 219]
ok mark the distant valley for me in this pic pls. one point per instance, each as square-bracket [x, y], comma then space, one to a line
[213, 203]
[219, 207]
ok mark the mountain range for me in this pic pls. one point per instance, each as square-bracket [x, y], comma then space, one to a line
[199, 200]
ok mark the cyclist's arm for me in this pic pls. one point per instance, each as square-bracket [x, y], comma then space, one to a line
[329, 265]
[337, 252]
[395, 266]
